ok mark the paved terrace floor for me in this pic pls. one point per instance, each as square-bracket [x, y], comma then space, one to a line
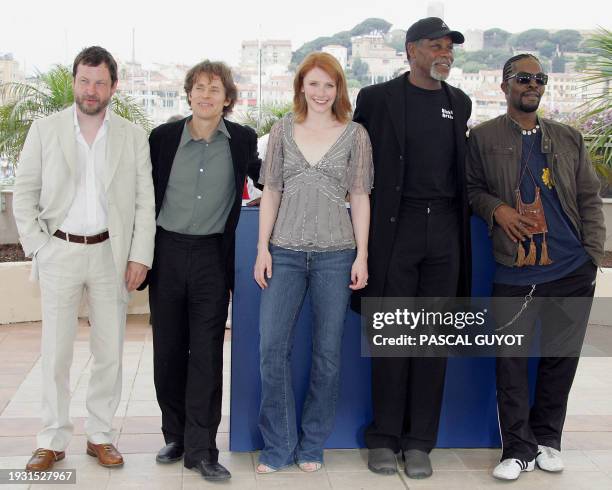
[587, 442]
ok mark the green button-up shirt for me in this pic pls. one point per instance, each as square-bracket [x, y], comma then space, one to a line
[201, 188]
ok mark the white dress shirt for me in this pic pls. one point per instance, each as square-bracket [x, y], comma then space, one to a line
[88, 213]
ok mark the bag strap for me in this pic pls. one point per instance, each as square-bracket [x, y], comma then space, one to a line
[525, 167]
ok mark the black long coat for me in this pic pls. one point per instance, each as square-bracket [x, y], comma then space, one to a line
[381, 110]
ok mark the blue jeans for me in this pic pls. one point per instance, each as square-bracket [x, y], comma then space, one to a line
[327, 275]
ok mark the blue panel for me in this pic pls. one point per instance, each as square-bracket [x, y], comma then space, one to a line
[469, 415]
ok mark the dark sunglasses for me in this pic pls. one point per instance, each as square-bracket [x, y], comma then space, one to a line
[524, 78]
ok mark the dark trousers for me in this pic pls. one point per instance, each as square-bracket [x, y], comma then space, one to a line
[189, 297]
[523, 428]
[407, 391]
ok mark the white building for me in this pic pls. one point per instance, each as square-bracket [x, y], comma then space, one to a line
[273, 52]
[158, 89]
[339, 52]
[474, 40]
[9, 70]
[383, 61]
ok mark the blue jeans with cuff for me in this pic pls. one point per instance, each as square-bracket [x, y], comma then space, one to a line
[326, 275]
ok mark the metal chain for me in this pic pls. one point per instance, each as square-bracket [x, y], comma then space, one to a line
[527, 299]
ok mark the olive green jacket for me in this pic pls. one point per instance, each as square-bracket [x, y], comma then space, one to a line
[493, 165]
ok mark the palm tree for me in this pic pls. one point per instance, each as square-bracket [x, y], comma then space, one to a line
[597, 115]
[269, 115]
[52, 92]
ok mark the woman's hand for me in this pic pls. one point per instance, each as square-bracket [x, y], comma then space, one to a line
[263, 267]
[359, 273]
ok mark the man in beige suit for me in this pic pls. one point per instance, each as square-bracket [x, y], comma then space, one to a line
[85, 211]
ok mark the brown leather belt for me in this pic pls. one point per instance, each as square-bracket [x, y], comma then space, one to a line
[87, 240]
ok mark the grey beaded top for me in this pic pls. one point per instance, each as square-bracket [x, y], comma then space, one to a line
[312, 214]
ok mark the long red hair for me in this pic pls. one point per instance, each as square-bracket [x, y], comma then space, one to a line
[341, 107]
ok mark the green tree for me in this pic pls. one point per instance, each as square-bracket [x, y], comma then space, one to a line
[581, 63]
[359, 71]
[397, 40]
[342, 38]
[558, 64]
[530, 39]
[547, 49]
[597, 111]
[491, 59]
[495, 38]
[567, 39]
[26, 102]
[371, 25]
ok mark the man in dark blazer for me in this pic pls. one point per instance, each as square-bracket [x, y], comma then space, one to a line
[199, 168]
[419, 232]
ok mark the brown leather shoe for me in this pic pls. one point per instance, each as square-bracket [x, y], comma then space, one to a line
[107, 454]
[43, 459]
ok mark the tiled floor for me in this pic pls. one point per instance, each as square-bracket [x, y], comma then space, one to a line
[587, 441]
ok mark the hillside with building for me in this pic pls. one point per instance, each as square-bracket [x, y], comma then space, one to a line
[370, 52]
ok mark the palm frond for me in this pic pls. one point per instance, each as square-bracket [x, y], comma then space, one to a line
[596, 116]
[269, 115]
[125, 106]
[49, 93]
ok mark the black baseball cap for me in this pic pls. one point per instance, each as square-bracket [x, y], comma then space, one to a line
[432, 28]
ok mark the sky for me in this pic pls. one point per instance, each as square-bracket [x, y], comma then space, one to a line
[42, 33]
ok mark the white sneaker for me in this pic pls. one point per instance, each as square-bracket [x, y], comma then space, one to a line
[511, 468]
[549, 459]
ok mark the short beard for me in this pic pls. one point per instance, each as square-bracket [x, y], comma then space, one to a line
[529, 108]
[91, 111]
[436, 75]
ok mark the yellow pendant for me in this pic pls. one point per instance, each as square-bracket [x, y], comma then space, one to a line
[547, 178]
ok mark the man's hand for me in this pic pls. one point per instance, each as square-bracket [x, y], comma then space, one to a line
[515, 225]
[134, 275]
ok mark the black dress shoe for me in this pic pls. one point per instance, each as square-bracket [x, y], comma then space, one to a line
[211, 471]
[170, 453]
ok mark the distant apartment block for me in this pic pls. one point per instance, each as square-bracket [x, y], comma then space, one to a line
[275, 90]
[339, 52]
[9, 69]
[247, 96]
[273, 52]
[384, 62]
[157, 89]
[474, 40]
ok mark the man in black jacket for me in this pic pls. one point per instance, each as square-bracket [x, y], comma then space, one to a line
[199, 168]
[419, 233]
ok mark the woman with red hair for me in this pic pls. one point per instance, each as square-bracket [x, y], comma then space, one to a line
[309, 243]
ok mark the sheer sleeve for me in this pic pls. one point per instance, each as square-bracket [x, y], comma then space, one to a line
[271, 174]
[361, 168]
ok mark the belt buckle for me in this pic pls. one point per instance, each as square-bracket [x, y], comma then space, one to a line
[85, 239]
[67, 237]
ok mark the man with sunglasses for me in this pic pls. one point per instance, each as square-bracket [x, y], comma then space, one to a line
[551, 254]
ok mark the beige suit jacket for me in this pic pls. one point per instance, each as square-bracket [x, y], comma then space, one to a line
[46, 186]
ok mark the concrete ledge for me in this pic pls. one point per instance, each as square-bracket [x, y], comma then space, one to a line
[20, 298]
